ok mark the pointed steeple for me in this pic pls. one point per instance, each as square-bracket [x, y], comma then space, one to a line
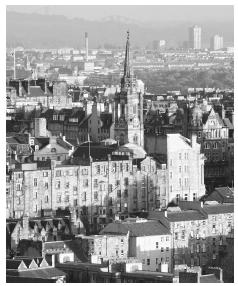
[127, 57]
[127, 79]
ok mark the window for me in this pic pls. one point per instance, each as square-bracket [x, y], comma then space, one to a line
[177, 197]
[167, 249]
[126, 181]
[148, 261]
[167, 238]
[194, 196]
[162, 239]
[45, 174]
[176, 236]
[180, 156]
[35, 182]
[213, 228]
[58, 173]
[171, 189]
[46, 199]
[122, 252]
[162, 249]
[57, 185]
[84, 196]
[85, 182]
[95, 183]
[183, 235]
[156, 260]
[157, 245]
[143, 261]
[66, 199]
[204, 247]
[59, 199]
[167, 259]
[199, 134]
[186, 197]
[180, 182]
[75, 202]
[180, 169]
[98, 169]
[95, 196]
[53, 150]
[171, 162]
[171, 175]
[58, 158]
[67, 185]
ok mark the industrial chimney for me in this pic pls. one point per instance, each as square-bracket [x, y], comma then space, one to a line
[86, 45]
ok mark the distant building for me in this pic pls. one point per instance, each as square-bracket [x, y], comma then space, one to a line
[216, 43]
[195, 40]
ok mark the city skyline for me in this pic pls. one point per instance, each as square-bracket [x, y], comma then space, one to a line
[119, 149]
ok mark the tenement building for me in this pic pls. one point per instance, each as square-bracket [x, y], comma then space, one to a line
[185, 180]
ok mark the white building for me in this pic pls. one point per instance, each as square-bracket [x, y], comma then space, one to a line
[149, 242]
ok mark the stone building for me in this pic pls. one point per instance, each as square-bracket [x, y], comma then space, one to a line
[212, 133]
[185, 179]
[149, 242]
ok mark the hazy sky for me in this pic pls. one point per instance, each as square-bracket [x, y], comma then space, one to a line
[140, 13]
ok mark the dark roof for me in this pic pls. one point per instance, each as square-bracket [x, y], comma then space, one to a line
[97, 151]
[136, 229]
[46, 273]
[209, 278]
[221, 195]
[106, 119]
[187, 215]
[13, 264]
[219, 208]
[74, 245]
[228, 123]
[84, 122]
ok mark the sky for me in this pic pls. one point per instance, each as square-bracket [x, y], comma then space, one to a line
[141, 13]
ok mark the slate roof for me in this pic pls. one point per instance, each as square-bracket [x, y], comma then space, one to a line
[188, 215]
[74, 245]
[46, 273]
[97, 151]
[84, 122]
[210, 278]
[136, 229]
[228, 123]
[13, 264]
[106, 119]
[219, 208]
[221, 195]
[44, 141]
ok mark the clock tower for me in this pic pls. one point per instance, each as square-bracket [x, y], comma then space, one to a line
[128, 107]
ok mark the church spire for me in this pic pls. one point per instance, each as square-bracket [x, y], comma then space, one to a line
[127, 79]
[127, 57]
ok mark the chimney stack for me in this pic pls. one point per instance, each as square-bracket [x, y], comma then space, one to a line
[86, 45]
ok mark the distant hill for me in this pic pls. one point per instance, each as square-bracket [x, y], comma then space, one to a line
[52, 31]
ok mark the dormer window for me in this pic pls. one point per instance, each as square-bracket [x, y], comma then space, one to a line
[53, 150]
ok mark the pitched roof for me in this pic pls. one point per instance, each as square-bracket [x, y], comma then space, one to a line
[97, 151]
[209, 278]
[187, 215]
[136, 229]
[46, 273]
[219, 208]
[221, 195]
[228, 123]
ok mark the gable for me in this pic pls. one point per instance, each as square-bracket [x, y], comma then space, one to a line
[49, 149]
